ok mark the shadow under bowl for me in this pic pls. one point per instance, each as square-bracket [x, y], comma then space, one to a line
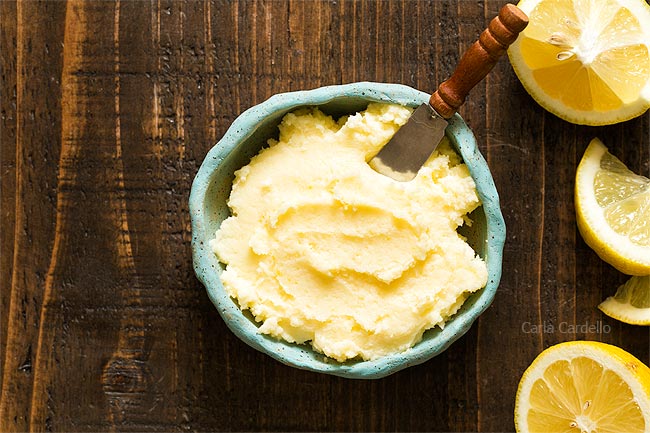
[248, 135]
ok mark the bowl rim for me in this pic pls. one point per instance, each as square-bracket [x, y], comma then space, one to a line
[293, 354]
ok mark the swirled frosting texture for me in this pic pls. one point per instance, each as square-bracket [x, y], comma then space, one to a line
[323, 249]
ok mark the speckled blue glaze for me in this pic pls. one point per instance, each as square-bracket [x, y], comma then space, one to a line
[247, 135]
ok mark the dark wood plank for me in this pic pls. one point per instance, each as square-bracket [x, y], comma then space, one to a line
[36, 127]
[104, 326]
[8, 105]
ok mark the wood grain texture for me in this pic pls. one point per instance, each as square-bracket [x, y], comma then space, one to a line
[108, 109]
[478, 60]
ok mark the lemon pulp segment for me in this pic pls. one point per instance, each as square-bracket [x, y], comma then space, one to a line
[625, 198]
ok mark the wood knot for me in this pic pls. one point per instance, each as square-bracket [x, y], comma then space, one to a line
[124, 375]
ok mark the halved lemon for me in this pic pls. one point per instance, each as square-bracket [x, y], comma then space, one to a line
[584, 386]
[586, 61]
[631, 303]
[613, 210]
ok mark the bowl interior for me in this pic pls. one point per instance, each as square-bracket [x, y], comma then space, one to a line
[209, 208]
[218, 191]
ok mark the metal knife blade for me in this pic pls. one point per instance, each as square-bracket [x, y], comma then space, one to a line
[411, 146]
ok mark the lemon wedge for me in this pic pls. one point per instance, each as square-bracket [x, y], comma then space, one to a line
[586, 61]
[631, 303]
[613, 210]
[584, 386]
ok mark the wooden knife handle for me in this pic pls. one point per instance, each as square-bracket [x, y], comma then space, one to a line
[479, 59]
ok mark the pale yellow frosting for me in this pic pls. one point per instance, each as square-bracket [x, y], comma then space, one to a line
[322, 248]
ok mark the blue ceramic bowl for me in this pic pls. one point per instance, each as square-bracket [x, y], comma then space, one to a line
[244, 139]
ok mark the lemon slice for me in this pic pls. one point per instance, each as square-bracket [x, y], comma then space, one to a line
[631, 303]
[586, 61]
[613, 210]
[584, 386]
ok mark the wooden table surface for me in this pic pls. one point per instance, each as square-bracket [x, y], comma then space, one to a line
[107, 112]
